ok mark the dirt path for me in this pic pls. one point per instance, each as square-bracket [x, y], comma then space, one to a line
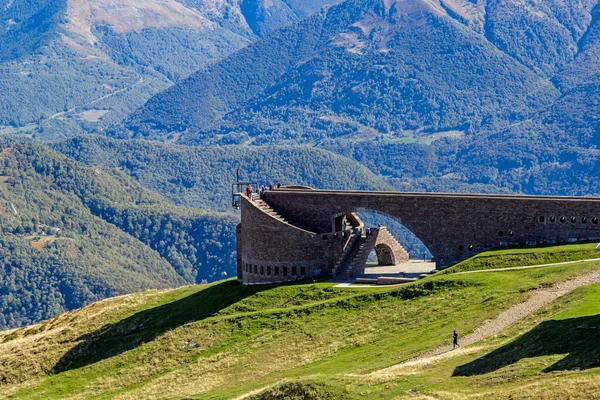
[257, 391]
[107, 96]
[539, 299]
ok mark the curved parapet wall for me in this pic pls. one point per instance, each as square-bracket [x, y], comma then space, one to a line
[271, 250]
[452, 226]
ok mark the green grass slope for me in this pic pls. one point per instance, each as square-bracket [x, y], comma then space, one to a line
[527, 256]
[313, 340]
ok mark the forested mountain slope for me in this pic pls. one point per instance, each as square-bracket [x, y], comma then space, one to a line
[392, 68]
[202, 176]
[72, 234]
[72, 66]
[435, 95]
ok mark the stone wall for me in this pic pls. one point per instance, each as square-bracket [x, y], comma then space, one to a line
[272, 251]
[454, 226]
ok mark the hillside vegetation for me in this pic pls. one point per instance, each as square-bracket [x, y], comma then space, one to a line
[313, 340]
[96, 61]
[75, 233]
[201, 176]
[435, 95]
[72, 234]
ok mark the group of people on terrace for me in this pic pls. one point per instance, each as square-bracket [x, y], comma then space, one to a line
[261, 190]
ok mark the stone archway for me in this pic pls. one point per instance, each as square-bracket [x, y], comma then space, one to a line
[388, 250]
[385, 255]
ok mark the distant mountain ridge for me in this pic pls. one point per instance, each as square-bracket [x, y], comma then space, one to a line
[438, 95]
[388, 66]
[96, 61]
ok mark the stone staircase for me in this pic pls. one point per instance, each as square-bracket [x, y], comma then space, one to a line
[279, 215]
[354, 257]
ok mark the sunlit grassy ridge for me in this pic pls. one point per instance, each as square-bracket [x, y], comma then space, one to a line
[310, 340]
[528, 255]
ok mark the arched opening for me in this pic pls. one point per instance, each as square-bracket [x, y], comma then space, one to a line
[385, 255]
[412, 244]
[379, 246]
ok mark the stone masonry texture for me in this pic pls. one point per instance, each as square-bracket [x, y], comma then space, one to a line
[454, 227]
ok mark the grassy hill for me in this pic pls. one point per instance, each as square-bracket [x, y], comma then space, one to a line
[313, 340]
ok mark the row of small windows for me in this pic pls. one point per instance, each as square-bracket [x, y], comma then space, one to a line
[541, 219]
[256, 269]
[510, 233]
[584, 220]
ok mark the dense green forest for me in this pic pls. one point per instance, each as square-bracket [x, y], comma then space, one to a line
[202, 176]
[73, 234]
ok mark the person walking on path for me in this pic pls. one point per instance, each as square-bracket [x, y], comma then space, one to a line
[424, 256]
[270, 186]
[455, 340]
[278, 184]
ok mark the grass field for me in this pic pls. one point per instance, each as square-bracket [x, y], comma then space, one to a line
[311, 340]
[528, 255]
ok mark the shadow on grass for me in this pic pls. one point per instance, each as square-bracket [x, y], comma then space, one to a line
[578, 338]
[144, 326]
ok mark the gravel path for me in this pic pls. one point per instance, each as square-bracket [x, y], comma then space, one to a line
[539, 299]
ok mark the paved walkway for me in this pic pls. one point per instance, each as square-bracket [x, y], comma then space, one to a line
[409, 269]
[415, 268]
